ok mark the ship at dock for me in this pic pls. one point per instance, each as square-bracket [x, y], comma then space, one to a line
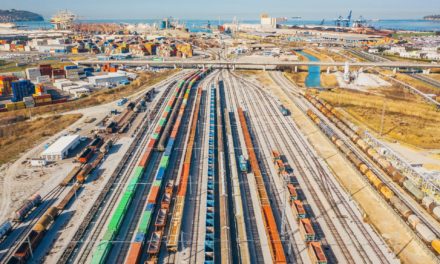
[63, 20]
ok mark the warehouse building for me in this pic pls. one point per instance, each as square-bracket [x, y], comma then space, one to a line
[109, 79]
[61, 148]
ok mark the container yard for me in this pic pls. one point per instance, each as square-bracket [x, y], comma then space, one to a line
[233, 143]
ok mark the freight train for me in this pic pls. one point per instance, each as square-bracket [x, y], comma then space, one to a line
[355, 135]
[179, 204]
[272, 232]
[413, 220]
[135, 249]
[306, 230]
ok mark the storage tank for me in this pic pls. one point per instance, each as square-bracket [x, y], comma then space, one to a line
[436, 212]
[428, 203]
[400, 207]
[364, 168]
[413, 220]
[387, 193]
[414, 190]
[425, 233]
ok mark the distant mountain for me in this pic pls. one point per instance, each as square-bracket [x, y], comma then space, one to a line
[434, 17]
[18, 16]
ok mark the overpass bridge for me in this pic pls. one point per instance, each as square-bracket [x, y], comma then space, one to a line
[222, 64]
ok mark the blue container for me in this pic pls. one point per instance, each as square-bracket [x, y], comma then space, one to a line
[149, 207]
[139, 237]
[160, 173]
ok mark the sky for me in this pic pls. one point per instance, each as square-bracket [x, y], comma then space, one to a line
[227, 9]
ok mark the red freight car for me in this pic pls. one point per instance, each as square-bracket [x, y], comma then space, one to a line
[316, 253]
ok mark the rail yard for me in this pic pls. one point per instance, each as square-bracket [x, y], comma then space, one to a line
[241, 143]
[216, 170]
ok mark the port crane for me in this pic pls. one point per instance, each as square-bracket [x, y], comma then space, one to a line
[343, 22]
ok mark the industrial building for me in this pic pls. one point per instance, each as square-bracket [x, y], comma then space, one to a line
[61, 148]
[109, 79]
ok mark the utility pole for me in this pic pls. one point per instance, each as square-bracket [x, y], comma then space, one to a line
[382, 118]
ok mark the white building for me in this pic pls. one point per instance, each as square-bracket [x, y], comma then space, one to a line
[60, 148]
[109, 79]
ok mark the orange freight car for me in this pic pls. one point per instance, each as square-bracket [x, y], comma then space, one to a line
[276, 247]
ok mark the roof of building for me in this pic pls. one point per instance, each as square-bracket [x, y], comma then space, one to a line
[110, 75]
[61, 144]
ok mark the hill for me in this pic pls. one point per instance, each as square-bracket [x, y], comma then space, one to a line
[18, 16]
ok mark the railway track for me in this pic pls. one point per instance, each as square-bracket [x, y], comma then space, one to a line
[113, 186]
[329, 189]
[253, 239]
[198, 158]
[47, 201]
[278, 204]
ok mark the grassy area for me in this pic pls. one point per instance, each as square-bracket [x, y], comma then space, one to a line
[297, 77]
[434, 76]
[420, 85]
[318, 54]
[12, 66]
[411, 122]
[412, 34]
[19, 137]
[100, 97]
[329, 80]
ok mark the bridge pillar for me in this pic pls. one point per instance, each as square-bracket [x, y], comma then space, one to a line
[175, 66]
[296, 68]
[394, 70]
[328, 70]
[427, 71]
[264, 67]
[203, 67]
[233, 67]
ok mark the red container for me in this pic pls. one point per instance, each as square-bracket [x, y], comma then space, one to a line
[59, 101]
[153, 194]
[43, 103]
[145, 158]
[134, 253]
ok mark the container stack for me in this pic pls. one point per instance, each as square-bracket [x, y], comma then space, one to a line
[6, 84]
[33, 73]
[58, 74]
[39, 89]
[29, 102]
[72, 72]
[41, 100]
[21, 89]
[184, 50]
[15, 106]
[46, 69]
[151, 48]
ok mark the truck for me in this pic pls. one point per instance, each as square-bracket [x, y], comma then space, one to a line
[122, 101]
[284, 110]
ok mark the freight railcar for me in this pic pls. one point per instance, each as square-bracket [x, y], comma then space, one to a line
[243, 164]
[5, 228]
[24, 210]
[101, 252]
[354, 134]
[420, 228]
